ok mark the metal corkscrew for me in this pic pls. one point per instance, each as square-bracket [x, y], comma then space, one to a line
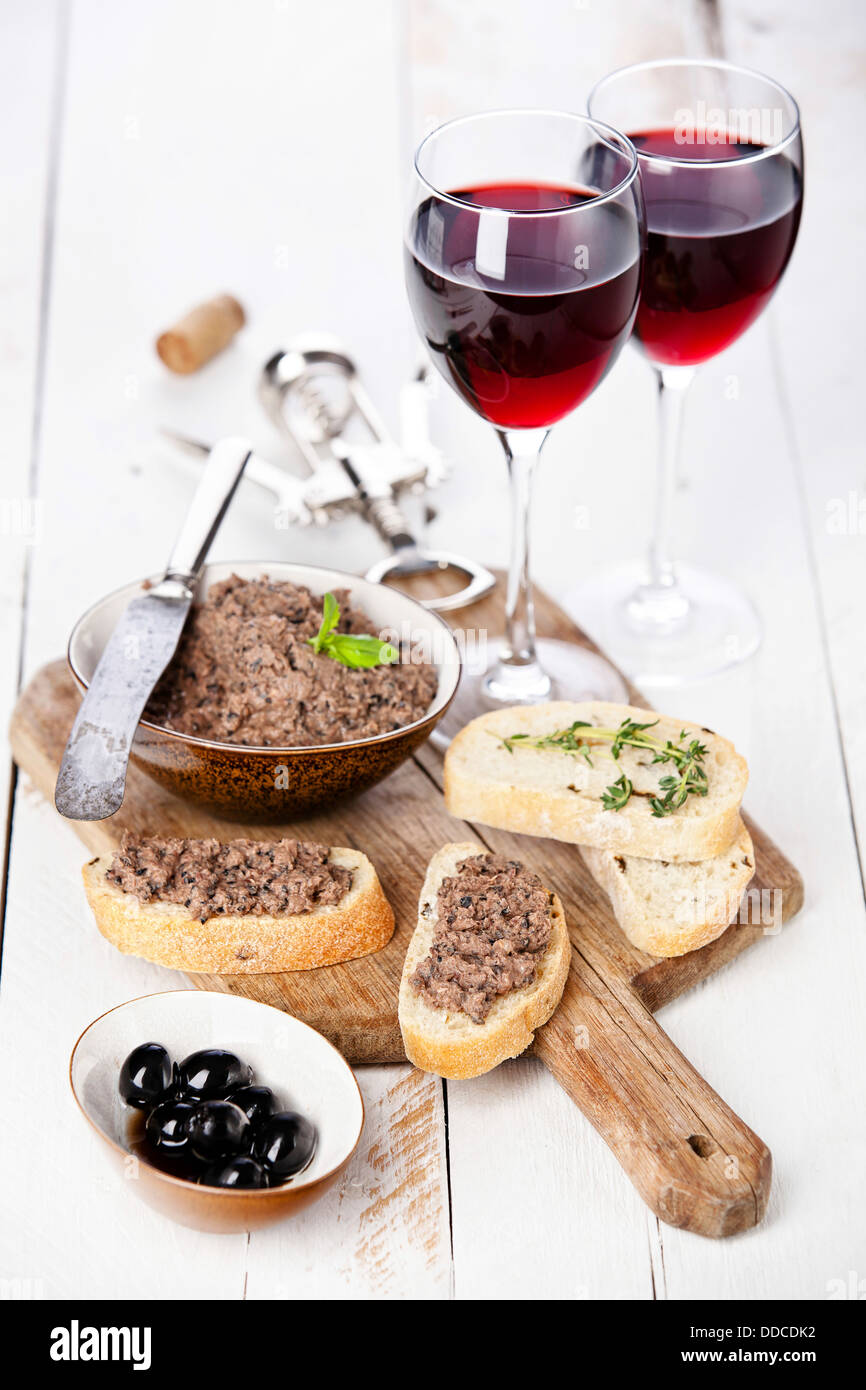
[314, 395]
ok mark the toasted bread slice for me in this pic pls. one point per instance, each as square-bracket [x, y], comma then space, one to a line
[165, 933]
[668, 909]
[448, 1042]
[558, 794]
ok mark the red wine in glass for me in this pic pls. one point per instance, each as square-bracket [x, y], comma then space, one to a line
[721, 164]
[523, 253]
[717, 243]
[523, 325]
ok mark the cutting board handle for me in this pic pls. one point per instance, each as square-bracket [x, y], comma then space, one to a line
[695, 1162]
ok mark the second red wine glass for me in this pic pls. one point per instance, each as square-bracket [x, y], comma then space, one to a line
[721, 161]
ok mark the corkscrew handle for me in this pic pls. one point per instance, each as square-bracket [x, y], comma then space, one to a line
[414, 560]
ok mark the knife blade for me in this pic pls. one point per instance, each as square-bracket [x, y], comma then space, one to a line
[92, 777]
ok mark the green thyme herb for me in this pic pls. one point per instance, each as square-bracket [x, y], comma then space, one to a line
[347, 647]
[614, 797]
[688, 779]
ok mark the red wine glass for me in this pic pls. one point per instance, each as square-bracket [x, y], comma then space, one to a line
[523, 259]
[721, 165]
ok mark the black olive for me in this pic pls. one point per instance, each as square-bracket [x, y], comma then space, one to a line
[145, 1074]
[218, 1129]
[285, 1143]
[257, 1102]
[174, 1090]
[236, 1172]
[212, 1073]
[167, 1127]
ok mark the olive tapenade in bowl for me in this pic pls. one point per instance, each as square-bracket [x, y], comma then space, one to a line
[292, 686]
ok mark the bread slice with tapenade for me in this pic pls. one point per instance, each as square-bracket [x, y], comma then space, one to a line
[496, 774]
[444, 1038]
[233, 942]
[668, 909]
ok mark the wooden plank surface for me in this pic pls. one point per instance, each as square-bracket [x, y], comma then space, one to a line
[788, 1012]
[196, 153]
[672, 1134]
[400, 824]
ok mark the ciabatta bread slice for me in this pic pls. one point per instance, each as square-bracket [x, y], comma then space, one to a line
[163, 932]
[448, 1042]
[668, 909]
[557, 794]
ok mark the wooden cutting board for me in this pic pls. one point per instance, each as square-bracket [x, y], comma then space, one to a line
[692, 1159]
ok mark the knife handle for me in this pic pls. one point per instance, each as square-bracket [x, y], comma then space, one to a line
[222, 473]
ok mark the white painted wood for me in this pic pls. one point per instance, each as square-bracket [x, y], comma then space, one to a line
[573, 1227]
[207, 147]
[202, 149]
[782, 1042]
[31, 60]
[540, 1208]
[772, 1031]
[383, 1232]
[738, 1028]
[67, 1220]
[262, 149]
[818, 339]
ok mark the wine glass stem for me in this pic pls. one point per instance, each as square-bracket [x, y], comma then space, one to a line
[517, 676]
[673, 382]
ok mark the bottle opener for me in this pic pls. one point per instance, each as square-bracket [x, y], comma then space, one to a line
[314, 395]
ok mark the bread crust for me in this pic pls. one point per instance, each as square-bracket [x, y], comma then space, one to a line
[653, 926]
[698, 830]
[362, 922]
[453, 1046]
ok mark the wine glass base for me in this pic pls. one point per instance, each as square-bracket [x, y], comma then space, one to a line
[573, 672]
[666, 639]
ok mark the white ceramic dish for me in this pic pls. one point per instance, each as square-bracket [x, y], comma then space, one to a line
[302, 1068]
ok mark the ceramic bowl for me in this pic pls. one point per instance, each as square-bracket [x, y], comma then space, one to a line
[302, 1068]
[276, 783]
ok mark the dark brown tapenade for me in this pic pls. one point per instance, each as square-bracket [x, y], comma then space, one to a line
[240, 877]
[493, 924]
[244, 673]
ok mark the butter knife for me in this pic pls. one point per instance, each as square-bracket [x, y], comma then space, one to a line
[92, 777]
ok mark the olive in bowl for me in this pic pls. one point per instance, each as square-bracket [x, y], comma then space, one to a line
[208, 1115]
[167, 1128]
[212, 1073]
[218, 1129]
[145, 1075]
[242, 1173]
[301, 1068]
[285, 1143]
[257, 1102]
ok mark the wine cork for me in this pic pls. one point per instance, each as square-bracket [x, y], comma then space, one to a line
[201, 334]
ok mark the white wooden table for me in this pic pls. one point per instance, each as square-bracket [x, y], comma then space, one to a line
[151, 156]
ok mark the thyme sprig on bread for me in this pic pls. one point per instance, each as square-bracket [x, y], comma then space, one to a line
[688, 779]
